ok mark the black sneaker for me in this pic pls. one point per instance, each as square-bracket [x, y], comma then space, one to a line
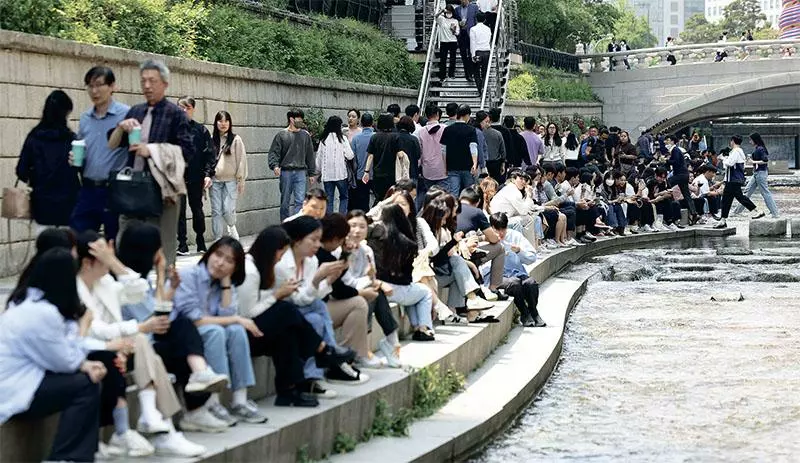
[331, 357]
[295, 398]
[527, 321]
[422, 336]
[183, 250]
[539, 323]
[315, 390]
[346, 374]
[500, 296]
[201, 245]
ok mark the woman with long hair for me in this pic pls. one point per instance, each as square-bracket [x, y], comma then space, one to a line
[759, 181]
[44, 164]
[395, 248]
[288, 338]
[229, 176]
[207, 296]
[571, 149]
[554, 150]
[43, 366]
[353, 127]
[488, 188]
[334, 149]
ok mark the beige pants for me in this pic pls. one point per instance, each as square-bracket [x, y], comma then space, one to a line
[167, 224]
[148, 368]
[351, 314]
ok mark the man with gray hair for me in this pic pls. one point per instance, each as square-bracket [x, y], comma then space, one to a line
[160, 122]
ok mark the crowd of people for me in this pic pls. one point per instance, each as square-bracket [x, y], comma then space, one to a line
[426, 202]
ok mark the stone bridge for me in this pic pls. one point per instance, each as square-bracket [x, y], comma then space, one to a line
[757, 77]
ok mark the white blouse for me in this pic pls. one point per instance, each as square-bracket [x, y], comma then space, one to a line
[286, 269]
[331, 155]
[252, 300]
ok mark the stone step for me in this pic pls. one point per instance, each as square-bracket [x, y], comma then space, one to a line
[768, 227]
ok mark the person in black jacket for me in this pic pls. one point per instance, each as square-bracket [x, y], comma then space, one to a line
[44, 164]
[198, 176]
[680, 173]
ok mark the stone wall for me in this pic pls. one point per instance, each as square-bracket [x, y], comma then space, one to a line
[545, 108]
[32, 66]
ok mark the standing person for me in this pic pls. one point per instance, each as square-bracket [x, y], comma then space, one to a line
[432, 165]
[623, 46]
[495, 147]
[229, 176]
[489, 9]
[644, 144]
[448, 42]
[413, 112]
[165, 126]
[353, 129]
[44, 164]
[409, 144]
[291, 157]
[480, 46]
[461, 151]
[626, 153]
[533, 141]
[759, 179]
[516, 147]
[199, 173]
[359, 196]
[670, 57]
[43, 366]
[554, 150]
[466, 13]
[680, 173]
[734, 179]
[382, 154]
[333, 151]
[91, 211]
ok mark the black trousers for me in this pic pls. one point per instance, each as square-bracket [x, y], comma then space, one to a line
[181, 341]
[683, 183]
[466, 58]
[113, 385]
[289, 339]
[551, 217]
[380, 186]
[480, 69]
[78, 400]
[494, 168]
[525, 293]
[359, 197]
[648, 217]
[568, 209]
[447, 49]
[731, 191]
[194, 194]
[383, 314]
[671, 210]
[634, 214]
[491, 19]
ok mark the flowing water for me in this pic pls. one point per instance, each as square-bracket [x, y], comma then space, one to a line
[653, 369]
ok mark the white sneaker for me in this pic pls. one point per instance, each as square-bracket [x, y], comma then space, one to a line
[233, 232]
[155, 427]
[573, 242]
[672, 227]
[364, 362]
[590, 236]
[131, 444]
[201, 420]
[648, 229]
[478, 303]
[174, 444]
[206, 381]
[757, 214]
[388, 351]
[488, 294]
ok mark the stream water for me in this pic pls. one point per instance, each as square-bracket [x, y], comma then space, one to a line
[653, 369]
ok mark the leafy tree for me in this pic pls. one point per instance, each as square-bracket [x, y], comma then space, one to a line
[698, 30]
[741, 15]
[633, 29]
[562, 24]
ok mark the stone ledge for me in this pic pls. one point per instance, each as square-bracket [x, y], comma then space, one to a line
[767, 227]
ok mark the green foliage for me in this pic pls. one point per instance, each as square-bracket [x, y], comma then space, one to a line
[547, 84]
[432, 389]
[333, 48]
[633, 29]
[387, 423]
[302, 455]
[344, 443]
[698, 30]
[562, 24]
[738, 17]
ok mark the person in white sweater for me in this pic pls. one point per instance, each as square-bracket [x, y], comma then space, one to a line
[333, 152]
[515, 199]
[229, 176]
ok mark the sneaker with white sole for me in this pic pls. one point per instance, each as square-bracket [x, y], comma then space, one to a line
[206, 381]
[315, 389]
[488, 294]
[248, 413]
[478, 303]
[130, 444]
[672, 227]
[572, 242]
[154, 427]
[201, 420]
[221, 413]
[373, 362]
[346, 374]
[388, 351]
[757, 214]
[175, 444]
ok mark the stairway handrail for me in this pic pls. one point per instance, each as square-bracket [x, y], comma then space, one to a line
[426, 71]
[497, 27]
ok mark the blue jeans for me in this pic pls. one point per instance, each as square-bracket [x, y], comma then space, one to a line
[292, 186]
[91, 211]
[616, 216]
[344, 195]
[759, 180]
[417, 300]
[223, 207]
[460, 280]
[227, 351]
[458, 180]
[316, 314]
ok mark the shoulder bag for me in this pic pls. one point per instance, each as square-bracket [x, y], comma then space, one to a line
[134, 193]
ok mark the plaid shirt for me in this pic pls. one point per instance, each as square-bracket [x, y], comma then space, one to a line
[170, 125]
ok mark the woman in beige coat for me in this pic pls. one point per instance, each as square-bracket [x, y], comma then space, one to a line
[229, 176]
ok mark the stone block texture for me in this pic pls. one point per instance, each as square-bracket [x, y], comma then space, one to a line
[768, 227]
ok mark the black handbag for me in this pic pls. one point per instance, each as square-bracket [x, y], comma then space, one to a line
[134, 194]
[352, 170]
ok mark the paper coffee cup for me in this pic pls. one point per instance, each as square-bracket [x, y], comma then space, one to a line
[78, 152]
[135, 136]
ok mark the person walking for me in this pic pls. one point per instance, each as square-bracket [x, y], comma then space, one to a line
[734, 179]
[480, 46]
[359, 196]
[44, 165]
[229, 176]
[489, 8]
[466, 13]
[164, 125]
[460, 144]
[759, 179]
[382, 156]
[448, 42]
[198, 177]
[333, 152]
[291, 157]
[91, 211]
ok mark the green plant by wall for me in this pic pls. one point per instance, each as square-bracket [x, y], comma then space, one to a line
[547, 84]
[388, 423]
[302, 455]
[344, 443]
[432, 389]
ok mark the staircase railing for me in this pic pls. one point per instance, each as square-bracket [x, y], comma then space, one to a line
[494, 61]
[426, 71]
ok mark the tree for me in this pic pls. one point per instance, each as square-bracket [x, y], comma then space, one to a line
[741, 15]
[698, 30]
[633, 29]
[562, 24]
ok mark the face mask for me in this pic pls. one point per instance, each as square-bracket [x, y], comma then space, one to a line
[448, 15]
[610, 182]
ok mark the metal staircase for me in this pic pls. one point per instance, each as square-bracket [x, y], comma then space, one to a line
[458, 89]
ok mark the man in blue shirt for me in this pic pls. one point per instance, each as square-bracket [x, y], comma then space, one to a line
[466, 13]
[359, 198]
[91, 210]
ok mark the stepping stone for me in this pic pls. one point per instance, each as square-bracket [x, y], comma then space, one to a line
[796, 227]
[768, 227]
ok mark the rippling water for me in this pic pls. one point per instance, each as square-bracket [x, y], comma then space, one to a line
[656, 371]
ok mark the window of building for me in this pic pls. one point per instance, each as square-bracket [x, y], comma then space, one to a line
[673, 32]
[673, 7]
[673, 19]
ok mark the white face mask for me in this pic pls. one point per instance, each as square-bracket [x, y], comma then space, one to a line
[610, 182]
[448, 15]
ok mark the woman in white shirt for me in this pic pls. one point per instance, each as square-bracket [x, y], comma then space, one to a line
[554, 150]
[334, 149]
[287, 337]
[448, 42]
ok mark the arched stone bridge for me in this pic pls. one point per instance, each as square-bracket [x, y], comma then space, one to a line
[756, 78]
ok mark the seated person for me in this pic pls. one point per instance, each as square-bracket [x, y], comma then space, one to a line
[315, 204]
[586, 212]
[519, 206]
[660, 195]
[708, 193]
[207, 296]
